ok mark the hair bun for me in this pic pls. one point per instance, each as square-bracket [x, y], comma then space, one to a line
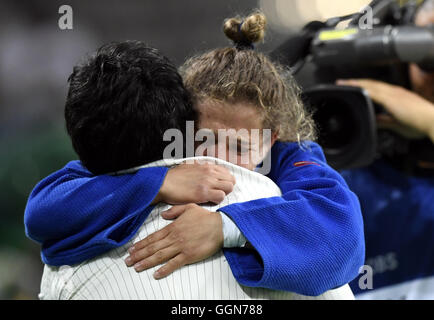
[252, 29]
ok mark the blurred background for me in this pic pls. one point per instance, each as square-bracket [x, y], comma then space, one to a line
[36, 58]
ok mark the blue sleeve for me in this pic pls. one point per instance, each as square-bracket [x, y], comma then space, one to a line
[76, 216]
[308, 241]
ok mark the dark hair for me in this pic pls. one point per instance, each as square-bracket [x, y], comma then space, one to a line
[120, 103]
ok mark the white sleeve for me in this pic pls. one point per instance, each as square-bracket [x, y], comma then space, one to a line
[233, 238]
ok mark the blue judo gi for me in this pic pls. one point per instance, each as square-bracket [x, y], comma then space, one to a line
[308, 241]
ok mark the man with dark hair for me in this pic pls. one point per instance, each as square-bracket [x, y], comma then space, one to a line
[112, 100]
[120, 102]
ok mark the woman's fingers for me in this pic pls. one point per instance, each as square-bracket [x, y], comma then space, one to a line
[216, 196]
[156, 236]
[225, 186]
[156, 259]
[224, 174]
[174, 212]
[148, 251]
[173, 264]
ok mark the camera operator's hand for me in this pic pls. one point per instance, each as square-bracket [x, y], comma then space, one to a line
[196, 183]
[412, 115]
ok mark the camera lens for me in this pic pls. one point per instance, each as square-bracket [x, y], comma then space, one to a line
[336, 124]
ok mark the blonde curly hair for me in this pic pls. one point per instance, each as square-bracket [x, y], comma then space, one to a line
[233, 75]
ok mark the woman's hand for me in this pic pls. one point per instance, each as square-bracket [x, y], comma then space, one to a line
[196, 183]
[195, 235]
[408, 110]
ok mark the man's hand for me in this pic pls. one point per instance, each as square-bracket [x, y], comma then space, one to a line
[195, 235]
[412, 115]
[196, 183]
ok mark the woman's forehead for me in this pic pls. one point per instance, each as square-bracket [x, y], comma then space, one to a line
[215, 115]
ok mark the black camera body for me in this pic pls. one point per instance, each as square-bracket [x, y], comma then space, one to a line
[348, 132]
[345, 116]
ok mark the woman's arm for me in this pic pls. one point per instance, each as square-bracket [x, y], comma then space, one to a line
[308, 241]
[76, 215]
